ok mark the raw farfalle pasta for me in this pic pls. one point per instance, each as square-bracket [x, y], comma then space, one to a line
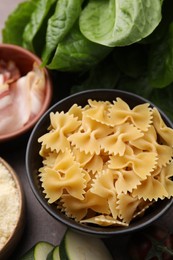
[142, 163]
[66, 174]
[116, 143]
[149, 143]
[99, 111]
[140, 115]
[106, 163]
[61, 126]
[78, 209]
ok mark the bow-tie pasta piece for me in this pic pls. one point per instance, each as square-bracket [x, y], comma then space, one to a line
[81, 157]
[104, 220]
[142, 207]
[165, 178]
[162, 129]
[76, 111]
[99, 111]
[116, 142]
[87, 138]
[78, 209]
[150, 189]
[65, 176]
[103, 185]
[95, 164]
[62, 124]
[149, 142]
[126, 181]
[142, 163]
[140, 115]
[126, 201]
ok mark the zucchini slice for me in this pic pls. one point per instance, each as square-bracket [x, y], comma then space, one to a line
[54, 254]
[38, 252]
[76, 246]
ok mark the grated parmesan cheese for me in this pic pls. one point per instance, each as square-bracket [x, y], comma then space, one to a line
[9, 205]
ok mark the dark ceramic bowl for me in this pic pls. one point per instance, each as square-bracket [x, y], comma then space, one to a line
[24, 60]
[34, 162]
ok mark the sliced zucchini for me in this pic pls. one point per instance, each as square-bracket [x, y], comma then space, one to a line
[54, 254]
[38, 252]
[75, 246]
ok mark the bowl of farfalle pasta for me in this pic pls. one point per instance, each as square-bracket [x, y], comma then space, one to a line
[100, 162]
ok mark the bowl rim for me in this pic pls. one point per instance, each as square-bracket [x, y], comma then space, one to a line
[102, 232]
[47, 99]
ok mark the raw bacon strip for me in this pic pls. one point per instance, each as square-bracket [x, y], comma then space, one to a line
[9, 71]
[20, 99]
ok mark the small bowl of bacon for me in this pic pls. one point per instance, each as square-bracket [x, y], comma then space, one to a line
[25, 91]
[100, 161]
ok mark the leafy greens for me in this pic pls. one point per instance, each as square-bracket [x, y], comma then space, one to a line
[65, 15]
[120, 44]
[118, 23]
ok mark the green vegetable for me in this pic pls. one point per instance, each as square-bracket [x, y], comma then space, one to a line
[161, 61]
[75, 52]
[17, 21]
[163, 98]
[118, 23]
[73, 246]
[38, 252]
[37, 18]
[77, 246]
[59, 24]
[54, 254]
[70, 37]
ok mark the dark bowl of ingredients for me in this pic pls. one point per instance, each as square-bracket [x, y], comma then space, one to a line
[100, 161]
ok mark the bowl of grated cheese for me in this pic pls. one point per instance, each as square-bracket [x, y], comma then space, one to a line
[12, 210]
[25, 91]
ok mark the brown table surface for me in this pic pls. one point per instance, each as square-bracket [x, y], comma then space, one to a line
[40, 226]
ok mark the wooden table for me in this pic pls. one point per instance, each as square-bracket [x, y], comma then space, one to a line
[39, 224]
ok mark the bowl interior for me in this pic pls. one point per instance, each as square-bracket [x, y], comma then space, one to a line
[24, 60]
[34, 162]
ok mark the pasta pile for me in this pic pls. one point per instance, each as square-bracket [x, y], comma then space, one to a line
[106, 163]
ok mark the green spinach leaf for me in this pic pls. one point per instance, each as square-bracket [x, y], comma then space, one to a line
[37, 18]
[59, 24]
[119, 23]
[163, 98]
[76, 53]
[162, 28]
[161, 61]
[16, 22]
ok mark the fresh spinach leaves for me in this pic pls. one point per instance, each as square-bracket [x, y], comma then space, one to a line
[75, 52]
[161, 61]
[119, 23]
[120, 44]
[17, 21]
[37, 19]
[60, 23]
